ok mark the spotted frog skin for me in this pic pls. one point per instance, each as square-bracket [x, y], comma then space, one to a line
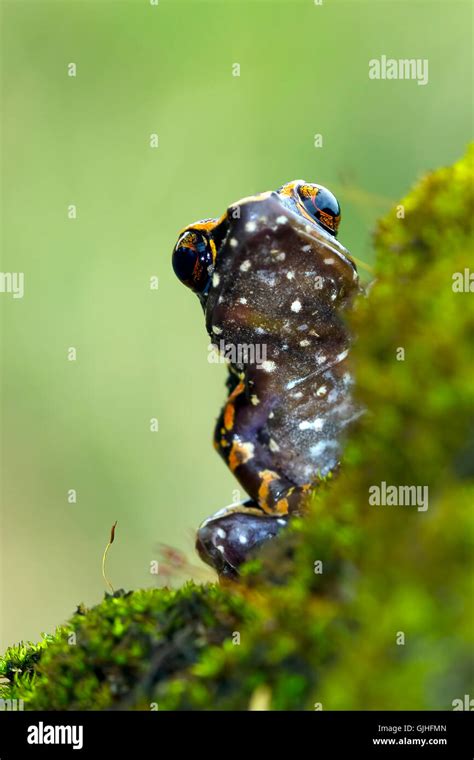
[273, 281]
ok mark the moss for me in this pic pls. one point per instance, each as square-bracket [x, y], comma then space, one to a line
[18, 667]
[386, 624]
[112, 654]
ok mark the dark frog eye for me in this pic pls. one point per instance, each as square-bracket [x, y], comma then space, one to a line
[321, 205]
[192, 259]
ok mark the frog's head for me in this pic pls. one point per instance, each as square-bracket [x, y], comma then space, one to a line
[269, 258]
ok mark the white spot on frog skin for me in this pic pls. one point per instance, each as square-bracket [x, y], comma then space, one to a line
[246, 451]
[271, 415]
[269, 280]
[316, 424]
[281, 219]
[216, 330]
[254, 399]
[321, 359]
[333, 396]
[233, 242]
[296, 306]
[322, 390]
[243, 301]
[340, 357]
[220, 549]
[297, 394]
[251, 226]
[242, 538]
[268, 366]
[290, 275]
[281, 256]
[329, 261]
[306, 248]
[221, 533]
[320, 446]
[273, 445]
[215, 280]
[245, 266]
[305, 343]
[281, 522]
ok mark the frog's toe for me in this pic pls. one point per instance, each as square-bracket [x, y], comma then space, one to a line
[226, 541]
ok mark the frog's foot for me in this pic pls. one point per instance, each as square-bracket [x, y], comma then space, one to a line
[226, 539]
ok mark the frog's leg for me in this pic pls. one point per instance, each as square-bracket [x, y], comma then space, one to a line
[240, 439]
[226, 538]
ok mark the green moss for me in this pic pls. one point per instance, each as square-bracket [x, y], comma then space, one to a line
[292, 638]
[18, 667]
[112, 654]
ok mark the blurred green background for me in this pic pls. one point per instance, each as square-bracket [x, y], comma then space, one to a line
[142, 353]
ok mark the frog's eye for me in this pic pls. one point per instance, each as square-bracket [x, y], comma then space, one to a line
[192, 258]
[321, 205]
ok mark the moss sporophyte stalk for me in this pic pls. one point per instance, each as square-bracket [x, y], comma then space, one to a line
[104, 558]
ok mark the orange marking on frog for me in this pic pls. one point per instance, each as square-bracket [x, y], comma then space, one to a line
[229, 415]
[287, 190]
[330, 221]
[267, 476]
[240, 453]
[229, 411]
[213, 250]
[282, 506]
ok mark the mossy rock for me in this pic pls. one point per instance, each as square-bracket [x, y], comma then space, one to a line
[358, 606]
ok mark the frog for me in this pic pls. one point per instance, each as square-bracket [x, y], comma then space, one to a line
[273, 280]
